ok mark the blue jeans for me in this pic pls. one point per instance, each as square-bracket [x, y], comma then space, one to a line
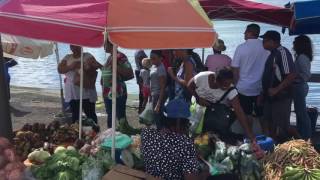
[121, 108]
[300, 92]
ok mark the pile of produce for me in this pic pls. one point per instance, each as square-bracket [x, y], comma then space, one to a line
[64, 164]
[64, 134]
[10, 167]
[30, 137]
[296, 156]
[226, 159]
[27, 141]
[37, 135]
[301, 173]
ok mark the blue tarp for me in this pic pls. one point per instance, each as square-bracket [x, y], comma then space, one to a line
[306, 18]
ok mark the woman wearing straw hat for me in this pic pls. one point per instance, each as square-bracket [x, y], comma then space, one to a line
[217, 61]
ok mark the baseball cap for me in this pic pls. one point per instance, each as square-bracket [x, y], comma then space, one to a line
[177, 108]
[273, 35]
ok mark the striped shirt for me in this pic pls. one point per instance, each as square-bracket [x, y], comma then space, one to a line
[279, 64]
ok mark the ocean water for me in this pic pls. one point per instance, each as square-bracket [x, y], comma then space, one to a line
[42, 73]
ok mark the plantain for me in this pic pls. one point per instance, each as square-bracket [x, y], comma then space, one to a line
[290, 173]
[297, 176]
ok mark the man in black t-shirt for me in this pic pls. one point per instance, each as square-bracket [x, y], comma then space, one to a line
[278, 76]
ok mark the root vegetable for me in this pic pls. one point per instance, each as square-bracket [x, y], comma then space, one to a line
[85, 149]
[14, 165]
[10, 155]
[4, 143]
[3, 161]
[2, 175]
[298, 153]
[15, 174]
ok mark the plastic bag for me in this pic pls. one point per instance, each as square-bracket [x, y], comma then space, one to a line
[147, 116]
[122, 142]
[104, 135]
[228, 163]
[197, 117]
[92, 169]
[233, 152]
[221, 151]
[96, 166]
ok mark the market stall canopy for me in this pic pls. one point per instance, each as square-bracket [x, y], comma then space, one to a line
[247, 11]
[161, 24]
[306, 19]
[25, 47]
[79, 22]
[132, 23]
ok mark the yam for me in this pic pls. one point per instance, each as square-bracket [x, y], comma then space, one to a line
[15, 174]
[10, 155]
[4, 143]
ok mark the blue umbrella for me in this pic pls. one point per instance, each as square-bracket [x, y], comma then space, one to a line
[306, 18]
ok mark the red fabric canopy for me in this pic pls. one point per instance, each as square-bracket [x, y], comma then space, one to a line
[247, 11]
[80, 22]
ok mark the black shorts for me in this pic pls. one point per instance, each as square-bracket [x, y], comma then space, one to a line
[249, 105]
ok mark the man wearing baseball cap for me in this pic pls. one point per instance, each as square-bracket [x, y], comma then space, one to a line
[278, 76]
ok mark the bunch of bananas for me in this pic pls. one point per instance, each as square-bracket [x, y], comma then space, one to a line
[299, 173]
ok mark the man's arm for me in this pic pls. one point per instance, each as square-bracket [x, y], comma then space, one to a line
[125, 72]
[242, 118]
[235, 64]
[283, 85]
[286, 64]
[94, 64]
[63, 67]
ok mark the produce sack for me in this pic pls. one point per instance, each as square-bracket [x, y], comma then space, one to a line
[122, 142]
[147, 116]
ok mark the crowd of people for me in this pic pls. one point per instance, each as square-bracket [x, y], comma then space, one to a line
[259, 82]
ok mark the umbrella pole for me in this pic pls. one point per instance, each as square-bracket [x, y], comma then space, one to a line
[81, 90]
[114, 98]
[5, 117]
[60, 79]
[203, 56]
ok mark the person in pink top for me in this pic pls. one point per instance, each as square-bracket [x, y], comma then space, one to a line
[217, 61]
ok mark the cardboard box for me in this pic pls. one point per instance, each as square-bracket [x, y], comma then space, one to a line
[120, 172]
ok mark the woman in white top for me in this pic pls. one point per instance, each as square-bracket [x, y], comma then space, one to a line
[70, 67]
[208, 87]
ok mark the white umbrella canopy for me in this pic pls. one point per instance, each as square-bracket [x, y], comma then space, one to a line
[25, 47]
[16, 46]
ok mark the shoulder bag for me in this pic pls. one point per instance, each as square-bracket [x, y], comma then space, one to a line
[219, 117]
